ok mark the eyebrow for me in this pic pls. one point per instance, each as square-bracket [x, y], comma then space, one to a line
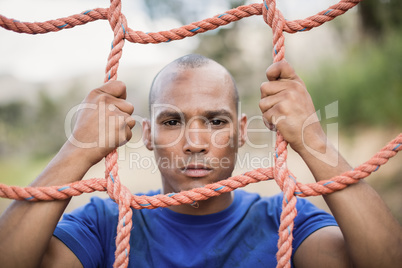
[216, 113]
[206, 114]
[169, 114]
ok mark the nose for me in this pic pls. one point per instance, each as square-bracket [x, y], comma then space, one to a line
[197, 139]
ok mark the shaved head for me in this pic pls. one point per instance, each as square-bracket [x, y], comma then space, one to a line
[172, 71]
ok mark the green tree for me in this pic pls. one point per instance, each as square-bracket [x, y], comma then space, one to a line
[380, 16]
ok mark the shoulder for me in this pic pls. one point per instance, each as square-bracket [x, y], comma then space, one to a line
[273, 205]
[308, 220]
[87, 230]
[309, 217]
[96, 218]
[90, 231]
[101, 208]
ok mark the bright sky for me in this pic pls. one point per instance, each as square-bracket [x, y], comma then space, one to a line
[68, 52]
[85, 48]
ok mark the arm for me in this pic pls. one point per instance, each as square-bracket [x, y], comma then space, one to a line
[369, 235]
[26, 228]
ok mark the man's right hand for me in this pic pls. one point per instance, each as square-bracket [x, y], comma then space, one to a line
[103, 122]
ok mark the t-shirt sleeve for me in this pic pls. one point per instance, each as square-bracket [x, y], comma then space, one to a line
[80, 231]
[308, 220]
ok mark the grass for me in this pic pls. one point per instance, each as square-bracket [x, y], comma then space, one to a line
[21, 171]
[368, 84]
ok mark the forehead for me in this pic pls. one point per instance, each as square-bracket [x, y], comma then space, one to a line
[193, 91]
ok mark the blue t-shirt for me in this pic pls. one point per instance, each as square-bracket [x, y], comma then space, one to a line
[243, 235]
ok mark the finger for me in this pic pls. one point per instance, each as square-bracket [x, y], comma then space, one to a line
[274, 117]
[123, 132]
[275, 87]
[269, 125]
[267, 103]
[281, 70]
[115, 88]
[130, 122]
[129, 134]
[280, 102]
[122, 105]
[268, 120]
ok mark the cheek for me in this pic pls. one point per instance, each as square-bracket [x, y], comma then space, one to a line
[166, 160]
[225, 162]
[167, 138]
[224, 138]
[224, 147]
[166, 144]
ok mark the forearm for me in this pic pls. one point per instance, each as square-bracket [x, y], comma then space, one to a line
[26, 227]
[372, 235]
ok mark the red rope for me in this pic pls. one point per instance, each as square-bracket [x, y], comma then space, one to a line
[51, 193]
[286, 181]
[182, 32]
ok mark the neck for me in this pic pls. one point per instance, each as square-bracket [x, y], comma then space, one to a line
[212, 205]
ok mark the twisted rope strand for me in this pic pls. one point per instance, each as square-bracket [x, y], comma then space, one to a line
[329, 186]
[182, 32]
[275, 19]
[283, 177]
[53, 25]
[198, 194]
[122, 195]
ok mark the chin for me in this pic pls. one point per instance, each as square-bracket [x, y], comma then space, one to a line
[198, 183]
[194, 184]
[178, 182]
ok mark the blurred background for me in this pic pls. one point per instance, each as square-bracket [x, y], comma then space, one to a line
[353, 62]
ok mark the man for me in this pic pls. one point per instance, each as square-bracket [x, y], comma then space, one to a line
[195, 131]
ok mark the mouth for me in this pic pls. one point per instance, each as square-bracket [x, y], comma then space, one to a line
[196, 170]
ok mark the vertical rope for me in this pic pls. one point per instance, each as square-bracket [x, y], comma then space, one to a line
[275, 19]
[119, 25]
[281, 174]
[114, 188]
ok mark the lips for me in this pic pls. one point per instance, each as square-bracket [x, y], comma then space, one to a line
[196, 170]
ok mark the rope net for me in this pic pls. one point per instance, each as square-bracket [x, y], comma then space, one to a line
[280, 173]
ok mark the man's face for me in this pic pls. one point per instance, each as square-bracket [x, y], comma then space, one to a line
[194, 128]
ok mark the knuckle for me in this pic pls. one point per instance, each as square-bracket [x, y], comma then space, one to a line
[291, 95]
[129, 135]
[114, 88]
[261, 104]
[300, 87]
[120, 86]
[117, 89]
[108, 87]
[103, 98]
[267, 116]
[130, 108]
[93, 94]
[130, 121]
[264, 87]
[282, 108]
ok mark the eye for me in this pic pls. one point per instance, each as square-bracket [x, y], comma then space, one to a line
[217, 122]
[172, 122]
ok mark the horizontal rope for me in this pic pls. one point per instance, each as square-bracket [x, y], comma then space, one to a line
[51, 193]
[280, 173]
[188, 30]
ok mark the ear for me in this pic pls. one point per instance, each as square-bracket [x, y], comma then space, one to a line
[242, 130]
[147, 134]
